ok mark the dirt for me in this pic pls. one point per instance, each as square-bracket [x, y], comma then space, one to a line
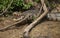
[46, 29]
[10, 20]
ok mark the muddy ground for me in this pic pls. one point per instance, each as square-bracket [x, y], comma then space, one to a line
[46, 29]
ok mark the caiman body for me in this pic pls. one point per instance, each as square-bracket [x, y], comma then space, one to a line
[29, 15]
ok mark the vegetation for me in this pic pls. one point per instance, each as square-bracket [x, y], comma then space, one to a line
[21, 5]
[10, 13]
[16, 4]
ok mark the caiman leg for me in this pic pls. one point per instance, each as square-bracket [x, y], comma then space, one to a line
[20, 21]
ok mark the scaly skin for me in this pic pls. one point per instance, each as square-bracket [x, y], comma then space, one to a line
[53, 16]
[28, 15]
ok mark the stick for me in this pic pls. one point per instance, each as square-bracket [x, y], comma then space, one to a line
[7, 8]
[20, 21]
[28, 28]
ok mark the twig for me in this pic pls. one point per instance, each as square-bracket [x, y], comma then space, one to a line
[7, 8]
[20, 21]
[40, 11]
[28, 28]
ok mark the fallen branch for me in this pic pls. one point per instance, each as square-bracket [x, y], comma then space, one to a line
[28, 28]
[22, 19]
